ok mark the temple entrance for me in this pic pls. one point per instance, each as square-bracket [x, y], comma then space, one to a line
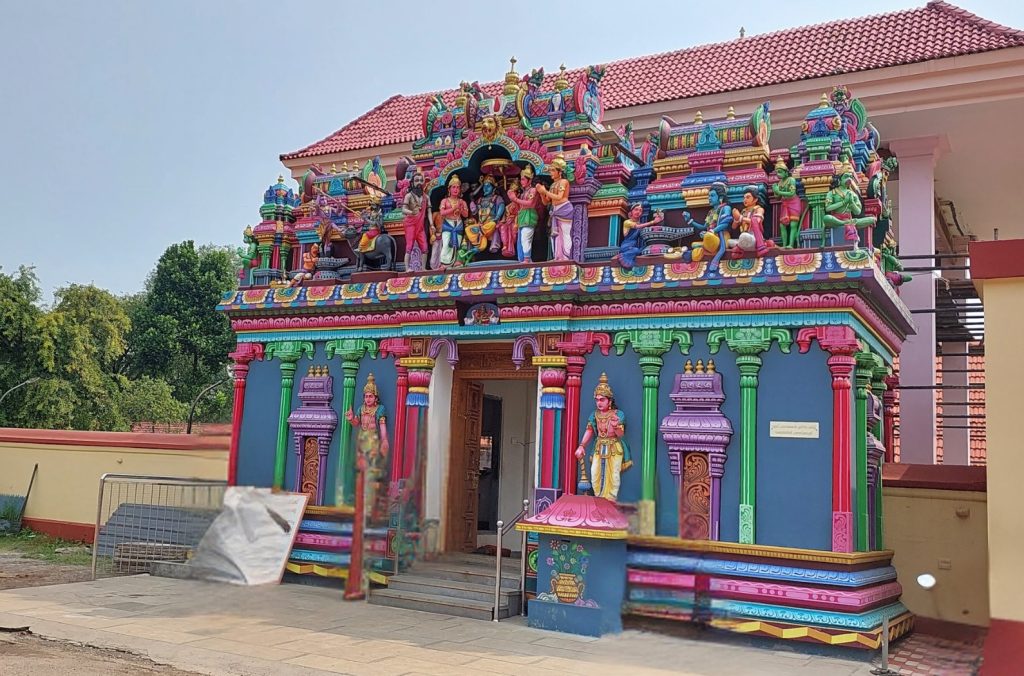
[491, 455]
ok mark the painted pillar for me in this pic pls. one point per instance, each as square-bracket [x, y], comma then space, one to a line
[889, 416]
[417, 400]
[916, 229]
[650, 345]
[880, 388]
[581, 193]
[288, 352]
[748, 343]
[841, 344]
[571, 427]
[574, 348]
[398, 348]
[552, 376]
[351, 351]
[244, 354]
[864, 373]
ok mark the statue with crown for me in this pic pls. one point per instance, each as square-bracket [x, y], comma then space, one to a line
[607, 427]
[371, 427]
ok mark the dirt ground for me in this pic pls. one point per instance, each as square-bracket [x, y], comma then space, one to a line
[23, 654]
[16, 571]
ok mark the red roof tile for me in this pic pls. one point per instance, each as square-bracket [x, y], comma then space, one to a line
[938, 30]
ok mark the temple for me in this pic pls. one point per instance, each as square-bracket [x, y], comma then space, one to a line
[676, 349]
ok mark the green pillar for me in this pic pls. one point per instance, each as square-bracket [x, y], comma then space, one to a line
[878, 387]
[289, 352]
[748, 343]
[650, 345]
[351, 351]
[864, 372]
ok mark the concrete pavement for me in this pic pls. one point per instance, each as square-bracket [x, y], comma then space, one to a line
[291, 629]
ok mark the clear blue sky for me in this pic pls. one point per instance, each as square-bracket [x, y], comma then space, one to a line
[126, 126]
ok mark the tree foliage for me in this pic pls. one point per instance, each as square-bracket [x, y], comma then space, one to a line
[102, 362]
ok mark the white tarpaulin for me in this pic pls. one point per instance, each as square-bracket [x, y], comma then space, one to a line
[250, 540]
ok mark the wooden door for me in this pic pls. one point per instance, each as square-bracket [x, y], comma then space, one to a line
[464, 465]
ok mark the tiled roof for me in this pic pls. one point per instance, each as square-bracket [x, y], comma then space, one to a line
[935, 31]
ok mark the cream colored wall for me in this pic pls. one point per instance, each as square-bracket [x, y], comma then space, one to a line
[942, 533]
[439, 415]
[67, 483]
[1004, 375]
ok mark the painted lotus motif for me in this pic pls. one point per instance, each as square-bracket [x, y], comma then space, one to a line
[397, 285]
[286, 295]
[800, 263]
[434, 283]
[255, 295]
[558, 274]
[854, 260]
[636, 275]
[353, 291]
[683, 271]
[474, 281]
[591, 276]
[317, 293]
[741, 267]
[517, 278]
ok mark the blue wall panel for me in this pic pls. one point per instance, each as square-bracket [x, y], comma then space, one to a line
[794, 487]
[627, 384]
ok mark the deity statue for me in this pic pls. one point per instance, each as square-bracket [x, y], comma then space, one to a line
[508, 231]
[413, 209]
[843, 206]
[878, 179]
[526, 220]
[715, 226]
[611, 453]
[372, 449]
[630, 247]
[309, 259]
[790, 213]
[487, 209]
[751, 225]
[249, 256]
[453, 213]
[372, 218]
[557, 198]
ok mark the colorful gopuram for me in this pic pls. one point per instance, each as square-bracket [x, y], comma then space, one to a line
[705, 325]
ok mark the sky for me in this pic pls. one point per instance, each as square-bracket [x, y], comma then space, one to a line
[127, 126]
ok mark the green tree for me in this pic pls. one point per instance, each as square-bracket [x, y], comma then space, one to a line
[150, 400]
[177, 333]
[22, 341]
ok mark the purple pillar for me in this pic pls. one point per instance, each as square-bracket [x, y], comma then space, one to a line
[916, 230]
[313, 425]
[697, 434]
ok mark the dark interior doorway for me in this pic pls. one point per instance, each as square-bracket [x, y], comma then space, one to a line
[490, 465]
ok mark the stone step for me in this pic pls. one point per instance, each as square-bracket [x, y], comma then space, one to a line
[478, 559]
[454, 588]
[434, 603]
[463, 572]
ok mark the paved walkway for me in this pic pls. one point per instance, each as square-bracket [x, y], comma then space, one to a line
[291, 629]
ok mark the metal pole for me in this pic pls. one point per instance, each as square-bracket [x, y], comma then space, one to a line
[96, 530]
[22, 384]
[191, 411]
[497, 573]
[883, 668]
[522, 564]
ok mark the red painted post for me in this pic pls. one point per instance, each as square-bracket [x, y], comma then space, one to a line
[244, 354]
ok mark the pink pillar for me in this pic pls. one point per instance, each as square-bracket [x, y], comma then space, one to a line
[916, 230]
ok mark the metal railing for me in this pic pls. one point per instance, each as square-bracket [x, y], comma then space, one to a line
[145, 519]
[502, 529]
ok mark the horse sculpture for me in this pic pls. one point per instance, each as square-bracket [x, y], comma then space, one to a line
[380, 257]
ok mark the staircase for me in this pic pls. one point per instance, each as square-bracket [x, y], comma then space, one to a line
[456, 584]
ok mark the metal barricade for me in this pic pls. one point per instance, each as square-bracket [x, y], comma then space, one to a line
[145, 519]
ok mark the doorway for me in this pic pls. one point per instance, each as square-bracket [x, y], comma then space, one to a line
[490, 461]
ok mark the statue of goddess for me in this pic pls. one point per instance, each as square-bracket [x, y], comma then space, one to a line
[611, 454]
[371, 427]
[453, 214]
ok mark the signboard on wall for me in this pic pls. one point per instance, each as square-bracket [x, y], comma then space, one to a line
[786, 429]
